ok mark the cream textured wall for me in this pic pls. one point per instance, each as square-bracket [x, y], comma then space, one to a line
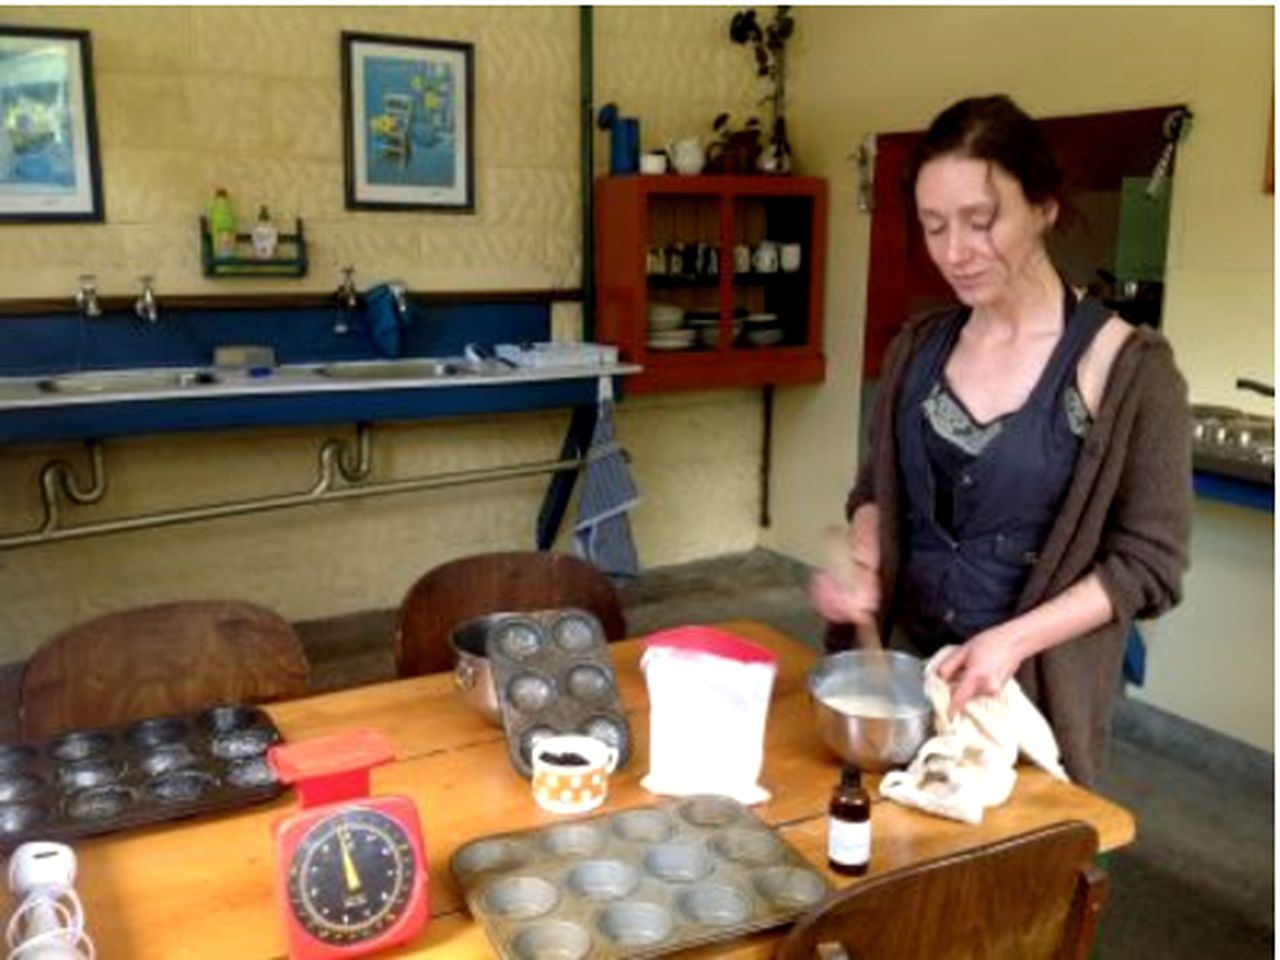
[249, 98]
[879, 69]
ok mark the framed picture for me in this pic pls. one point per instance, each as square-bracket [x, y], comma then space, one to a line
[48, 129]
[408, 123]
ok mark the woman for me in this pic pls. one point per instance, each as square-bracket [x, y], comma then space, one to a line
[1028, 489]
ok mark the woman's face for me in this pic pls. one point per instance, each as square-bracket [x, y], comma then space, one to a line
[981, 233]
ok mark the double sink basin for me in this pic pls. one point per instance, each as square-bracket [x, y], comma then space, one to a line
[141, 381]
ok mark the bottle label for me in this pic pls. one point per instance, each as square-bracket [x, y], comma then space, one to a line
[849, 843]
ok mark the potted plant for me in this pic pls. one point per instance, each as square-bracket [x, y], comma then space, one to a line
[769, 42]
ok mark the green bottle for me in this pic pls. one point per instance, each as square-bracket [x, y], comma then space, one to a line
[222, 225]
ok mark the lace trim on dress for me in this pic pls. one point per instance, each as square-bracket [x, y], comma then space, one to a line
[951, 421]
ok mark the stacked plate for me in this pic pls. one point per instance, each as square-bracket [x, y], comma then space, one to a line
[672, 339]
[666, 328]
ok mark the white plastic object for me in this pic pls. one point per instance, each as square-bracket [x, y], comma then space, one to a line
[49, 921]
[709, 696]
[544, 355]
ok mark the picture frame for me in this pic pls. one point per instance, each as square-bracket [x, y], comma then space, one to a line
[49, 160]
[408, 123]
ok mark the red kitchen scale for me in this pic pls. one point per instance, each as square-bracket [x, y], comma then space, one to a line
[351, 874]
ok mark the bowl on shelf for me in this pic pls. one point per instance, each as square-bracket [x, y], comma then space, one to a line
[764, 336]
[665, 316]
[709, 334]
[870, 707]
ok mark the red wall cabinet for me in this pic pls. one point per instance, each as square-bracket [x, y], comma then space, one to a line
[669, 242]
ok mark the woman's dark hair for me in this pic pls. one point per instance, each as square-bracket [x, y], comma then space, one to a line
[994, 129]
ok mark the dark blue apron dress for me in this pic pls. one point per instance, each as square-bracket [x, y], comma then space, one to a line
[975, 524]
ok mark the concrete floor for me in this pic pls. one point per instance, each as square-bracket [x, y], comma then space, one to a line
[1198, 882]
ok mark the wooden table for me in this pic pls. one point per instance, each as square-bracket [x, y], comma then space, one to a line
[203, 887]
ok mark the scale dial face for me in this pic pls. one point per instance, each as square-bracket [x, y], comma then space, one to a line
[352, 876]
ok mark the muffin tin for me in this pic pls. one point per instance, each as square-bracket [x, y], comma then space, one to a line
[160, 768]
[635, 883]
[553, 675]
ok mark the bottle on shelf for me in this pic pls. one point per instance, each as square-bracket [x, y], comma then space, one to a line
[849, 826]
[265, 236]
[222, 225]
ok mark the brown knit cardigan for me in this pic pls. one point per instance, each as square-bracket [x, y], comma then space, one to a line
[1126, 517]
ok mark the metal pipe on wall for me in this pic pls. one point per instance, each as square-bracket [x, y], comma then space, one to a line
[335, 461]
[586, 83]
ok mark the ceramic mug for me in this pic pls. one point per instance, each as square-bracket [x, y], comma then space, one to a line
[653, 163]
[765, 259]
[789, 257]
[742, 258]
[571, 773]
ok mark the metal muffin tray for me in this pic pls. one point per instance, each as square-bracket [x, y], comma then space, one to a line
[635, 883]
[97, 781]
[553, 675]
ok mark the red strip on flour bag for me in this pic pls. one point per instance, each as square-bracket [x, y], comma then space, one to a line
[708, 702]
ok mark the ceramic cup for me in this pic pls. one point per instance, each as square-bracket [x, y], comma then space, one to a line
[789, 257]
[653, 163]
[742, 258]
[765, 259]
[571, 773]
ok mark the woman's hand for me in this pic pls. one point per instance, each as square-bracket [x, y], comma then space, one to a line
[846, 599]
[981, 667]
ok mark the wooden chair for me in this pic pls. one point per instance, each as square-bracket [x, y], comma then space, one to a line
[156, 660]
[1033, 896]
[457, 591]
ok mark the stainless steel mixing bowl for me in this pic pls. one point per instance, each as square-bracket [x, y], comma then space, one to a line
[892, 720]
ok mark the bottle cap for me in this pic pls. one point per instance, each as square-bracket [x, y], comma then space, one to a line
[262, 213]
[850, 777]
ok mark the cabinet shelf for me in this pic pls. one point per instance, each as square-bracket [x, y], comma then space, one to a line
[244, 264]
[636, 216]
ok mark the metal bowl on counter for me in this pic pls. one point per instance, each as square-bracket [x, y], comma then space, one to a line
[871, 708]
[471, 672]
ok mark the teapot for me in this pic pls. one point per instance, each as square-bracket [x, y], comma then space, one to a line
[687, 155]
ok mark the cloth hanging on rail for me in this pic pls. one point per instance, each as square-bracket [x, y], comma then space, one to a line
[602, 532]
[384, 320]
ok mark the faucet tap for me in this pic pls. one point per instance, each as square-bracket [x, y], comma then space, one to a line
[347, 296]
[400, 293]
[146, 306]
[87, 297]
[347, 299]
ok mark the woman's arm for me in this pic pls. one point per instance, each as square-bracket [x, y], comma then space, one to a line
[987, 661]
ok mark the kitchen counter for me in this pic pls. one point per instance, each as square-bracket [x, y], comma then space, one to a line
[106, 403]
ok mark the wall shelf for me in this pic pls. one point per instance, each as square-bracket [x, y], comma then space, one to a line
[250, 266]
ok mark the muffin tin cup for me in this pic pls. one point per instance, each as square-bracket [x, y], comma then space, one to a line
[553, 675]
[98, 781]
[635, 883]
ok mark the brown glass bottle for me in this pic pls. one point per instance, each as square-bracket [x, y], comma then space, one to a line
[849, 826]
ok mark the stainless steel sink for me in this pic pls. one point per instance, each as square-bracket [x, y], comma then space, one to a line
[409, 369]
[126, 381]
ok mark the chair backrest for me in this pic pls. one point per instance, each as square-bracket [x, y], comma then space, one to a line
[156, 660]
[1037, 895]
[474, 586]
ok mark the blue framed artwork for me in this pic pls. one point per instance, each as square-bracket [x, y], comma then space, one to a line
[48, 129]
[408, 123]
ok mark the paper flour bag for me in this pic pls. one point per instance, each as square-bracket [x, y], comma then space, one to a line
[708, 702]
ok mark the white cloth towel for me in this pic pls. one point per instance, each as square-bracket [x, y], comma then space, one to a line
[602, 532]
[968, 765]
